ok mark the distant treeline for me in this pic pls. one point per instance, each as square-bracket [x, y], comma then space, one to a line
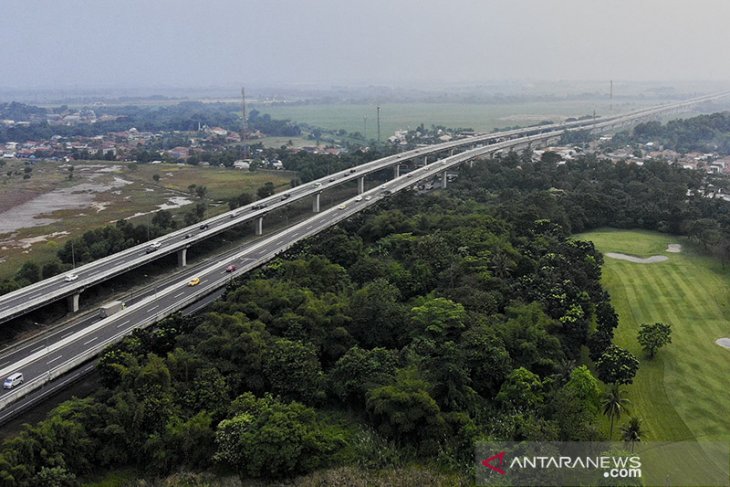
[704, 133]
[185, 116]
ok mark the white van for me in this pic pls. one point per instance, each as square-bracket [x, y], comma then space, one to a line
[13, 380]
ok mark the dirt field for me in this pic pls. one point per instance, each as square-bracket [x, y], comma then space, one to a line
[38, 214]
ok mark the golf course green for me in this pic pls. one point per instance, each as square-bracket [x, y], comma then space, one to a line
[683, 394]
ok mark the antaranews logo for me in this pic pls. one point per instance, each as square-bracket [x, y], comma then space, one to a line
[600, 463]
[551, 466]
[499, 457]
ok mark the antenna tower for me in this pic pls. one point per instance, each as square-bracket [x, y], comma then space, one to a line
[611, 96]
[378, 124]
[244, 123]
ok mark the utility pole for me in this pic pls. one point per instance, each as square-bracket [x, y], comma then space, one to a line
[73, 255]
[378, 124]
[244, 124]
[365, 127]
[610, 96]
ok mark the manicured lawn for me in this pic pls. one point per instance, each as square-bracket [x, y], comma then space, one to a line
[684, 393]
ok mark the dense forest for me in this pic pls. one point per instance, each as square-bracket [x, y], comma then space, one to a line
[393, 339]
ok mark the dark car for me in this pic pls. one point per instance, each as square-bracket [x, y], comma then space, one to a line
[285, 196]
[204, 226]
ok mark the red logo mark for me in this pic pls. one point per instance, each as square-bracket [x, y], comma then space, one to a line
[488, 463]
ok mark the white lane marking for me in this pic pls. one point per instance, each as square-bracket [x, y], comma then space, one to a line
[68, 334]
[53, 360]
[93, 339]
[122, 324]
[4, 364]
[153, 307]
[179, 294]
[39, 348]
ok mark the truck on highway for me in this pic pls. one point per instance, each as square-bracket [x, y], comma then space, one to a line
[110, 308]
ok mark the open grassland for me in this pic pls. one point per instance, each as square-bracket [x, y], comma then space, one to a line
[480, 117]
[100, 193]
[683, 393]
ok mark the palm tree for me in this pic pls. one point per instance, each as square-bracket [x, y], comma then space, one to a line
[631, 431]
[614, 405]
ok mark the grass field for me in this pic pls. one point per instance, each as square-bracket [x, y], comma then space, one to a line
[683, 393]
[481, 117]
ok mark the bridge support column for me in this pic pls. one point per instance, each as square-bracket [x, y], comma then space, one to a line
[315, 203]
[182, 257]
[73, 302]
[361, 185]
[443, 179]
[260, 226]
[425, 160]
[451, 152]
[471, 163]
[396, 171]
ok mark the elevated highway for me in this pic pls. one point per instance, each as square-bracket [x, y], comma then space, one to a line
[49, 359]
[49, 290]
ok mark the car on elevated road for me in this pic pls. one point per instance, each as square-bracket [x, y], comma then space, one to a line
[231, 268]
[194, 281]
[71, 277]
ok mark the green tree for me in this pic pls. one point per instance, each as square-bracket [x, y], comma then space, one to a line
[266, 190]
[631, 432]
[406, 412]
[269, 438]
[360, 370]
[438, 318]
[29, 271]
[617, 366]
[378, 317]
[156, 178]
[654, 336]
[50, 269]
[614, 405]
[522, 391]
[584, 387]
[294, 371]
[201, 192]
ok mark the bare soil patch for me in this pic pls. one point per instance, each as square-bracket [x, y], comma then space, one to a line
[637, 260]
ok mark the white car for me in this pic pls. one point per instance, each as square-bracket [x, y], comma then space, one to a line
[13, 380]
[368, 198]
[342, 206]
[358, 198]
[70, 277]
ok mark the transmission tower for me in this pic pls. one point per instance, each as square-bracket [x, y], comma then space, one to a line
[244, 123]
[378, 123]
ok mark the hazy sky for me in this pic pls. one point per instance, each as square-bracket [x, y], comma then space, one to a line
[186, 43]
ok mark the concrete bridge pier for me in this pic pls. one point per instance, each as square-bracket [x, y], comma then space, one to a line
[425, 160]
[73, 302]
[396, 171]
[260, 225]
[361, 185]
[451, 152]
[443, 179]
[315, 203]
[182, 257]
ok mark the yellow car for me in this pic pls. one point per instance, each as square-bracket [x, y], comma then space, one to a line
[194, 281]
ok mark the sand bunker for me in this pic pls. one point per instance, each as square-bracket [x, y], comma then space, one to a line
[723, 342]
[675, 248]
[637, 260]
